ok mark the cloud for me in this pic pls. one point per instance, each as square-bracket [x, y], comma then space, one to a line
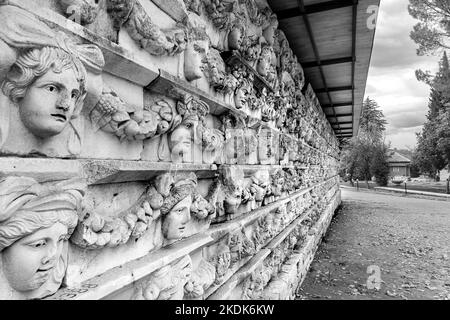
[403, 138]
[394, 49]
[407, 120]
[392, 82]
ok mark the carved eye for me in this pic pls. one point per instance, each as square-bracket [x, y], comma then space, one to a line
[198, 48]
[38, 244]
[52, 88]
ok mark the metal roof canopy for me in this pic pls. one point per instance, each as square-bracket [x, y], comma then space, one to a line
[333, 43]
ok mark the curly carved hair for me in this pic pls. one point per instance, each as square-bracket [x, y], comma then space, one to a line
[37, 62]
[182, 188]
[27, 207]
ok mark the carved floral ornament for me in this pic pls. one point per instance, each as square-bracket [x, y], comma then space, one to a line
[47, 77]
[166, 283]
[272, 268]
[177, 281]
[231, 15]
[131, 15]
[170, 197]
[111, 114]
[82, 11]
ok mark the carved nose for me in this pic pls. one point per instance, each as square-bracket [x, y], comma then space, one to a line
[187, 217]
[63, 103]
[50, 254]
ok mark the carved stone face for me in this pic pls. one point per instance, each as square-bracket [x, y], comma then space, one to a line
[270, 35]
[235, 39]
[30, 262]
[49, 103]
[240, 99]
[194, 57]
[174, 223]
[263, 67]
[181, 142]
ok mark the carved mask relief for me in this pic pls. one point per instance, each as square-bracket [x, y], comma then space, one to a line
[35, 224]
[233, 182]
[175, 221]
[192, 130]
[242, 94]
[236, 37]
[48, 86]
[176, 209]
[36, 255]
[181, 141]
[196, 53]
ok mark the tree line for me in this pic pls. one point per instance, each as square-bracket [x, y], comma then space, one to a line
[432, 35]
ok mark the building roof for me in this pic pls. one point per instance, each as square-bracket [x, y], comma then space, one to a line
[333, 41]
[395, 157]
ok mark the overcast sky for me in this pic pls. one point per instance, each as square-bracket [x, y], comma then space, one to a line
[392, 82]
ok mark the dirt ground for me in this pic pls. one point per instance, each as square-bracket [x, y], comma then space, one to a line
[406, 239]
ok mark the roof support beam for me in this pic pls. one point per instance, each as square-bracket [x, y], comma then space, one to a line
[341, 123]
[334, 89]
[339, 116]
[343, 128]
[354, 29]
[328, 62]
[344, 131]
[344, 135]
[301, 6]
[313, 8]
[337, 105]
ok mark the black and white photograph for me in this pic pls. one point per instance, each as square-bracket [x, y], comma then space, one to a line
[225, 155]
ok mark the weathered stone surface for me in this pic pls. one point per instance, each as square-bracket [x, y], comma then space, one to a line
[35, 224]
[131, 126]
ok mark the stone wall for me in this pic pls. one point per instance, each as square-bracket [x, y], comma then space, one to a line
[157, 150]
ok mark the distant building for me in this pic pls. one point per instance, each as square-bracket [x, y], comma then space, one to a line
[399, 165]
[445, 174]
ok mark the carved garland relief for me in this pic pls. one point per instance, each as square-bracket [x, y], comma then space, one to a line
[52, 82]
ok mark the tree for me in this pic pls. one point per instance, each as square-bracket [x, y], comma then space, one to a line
[373, 123]
[432, 33]
[433, 143]
[429, 157]
[443, 134]
[440, 86]
[379, 165]
[365, 156]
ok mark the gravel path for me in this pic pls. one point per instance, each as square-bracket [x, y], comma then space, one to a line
[406, 239]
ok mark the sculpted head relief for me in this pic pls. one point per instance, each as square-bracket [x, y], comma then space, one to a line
[242, 94]
[183, 137]
[35, 224]
[236, 36]
[48, 86]
[195, 55]
[176, 209]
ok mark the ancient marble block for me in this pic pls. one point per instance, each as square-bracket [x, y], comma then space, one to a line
[156, 150]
